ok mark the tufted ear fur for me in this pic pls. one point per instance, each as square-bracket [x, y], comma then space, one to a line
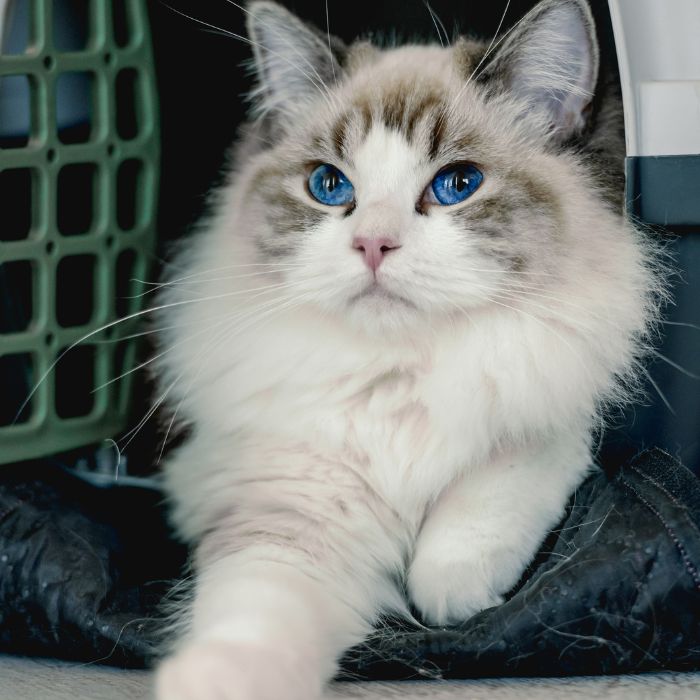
[292, 60]
[550, 60]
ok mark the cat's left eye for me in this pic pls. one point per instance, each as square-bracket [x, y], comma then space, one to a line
[329, 185]
[454, 184]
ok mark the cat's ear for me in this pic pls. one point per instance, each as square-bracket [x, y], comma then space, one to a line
[292, 60]
[550, 60]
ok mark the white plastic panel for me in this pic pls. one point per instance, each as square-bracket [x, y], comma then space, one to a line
[658, 49]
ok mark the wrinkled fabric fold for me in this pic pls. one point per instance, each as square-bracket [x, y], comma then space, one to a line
[614, 589]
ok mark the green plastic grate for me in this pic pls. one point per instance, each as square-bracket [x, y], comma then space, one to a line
[77, 221]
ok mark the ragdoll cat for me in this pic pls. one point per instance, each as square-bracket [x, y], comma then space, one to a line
[391, 340]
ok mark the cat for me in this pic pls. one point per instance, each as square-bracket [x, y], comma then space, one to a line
[392, 339]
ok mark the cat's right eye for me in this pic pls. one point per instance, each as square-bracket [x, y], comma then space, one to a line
[329, 185]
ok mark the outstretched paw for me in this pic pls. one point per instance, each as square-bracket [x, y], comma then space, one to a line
[449, 585]
[221, 670]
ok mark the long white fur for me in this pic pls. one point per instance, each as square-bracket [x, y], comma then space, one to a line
[340, 448]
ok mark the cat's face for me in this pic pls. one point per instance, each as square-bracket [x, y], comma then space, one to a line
[420, 181]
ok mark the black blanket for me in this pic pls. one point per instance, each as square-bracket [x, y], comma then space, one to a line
[615, 588]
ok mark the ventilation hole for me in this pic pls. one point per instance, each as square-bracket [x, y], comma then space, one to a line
[17, 382]
[48, 62]
[16, 187]
[127, 118]
[16, 296]
[126, 286]
[75, 380]
[15, 39]
[49, 338]
[120, 357]
[74, 102]
[121, 22]
[75, 198]
[50, 247]
[110, 149]
[123, 362]
[75, 279]
[71, 22]
[51, 155]
[15, 119]
[129, 193]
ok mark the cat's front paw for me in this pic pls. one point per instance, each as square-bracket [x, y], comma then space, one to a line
[221, 670]
[449, 584]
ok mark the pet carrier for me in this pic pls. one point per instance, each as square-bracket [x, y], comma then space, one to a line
[79, 159]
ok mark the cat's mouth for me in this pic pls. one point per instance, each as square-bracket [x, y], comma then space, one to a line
[378, 292]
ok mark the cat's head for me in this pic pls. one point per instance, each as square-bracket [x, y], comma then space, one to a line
[417, 181]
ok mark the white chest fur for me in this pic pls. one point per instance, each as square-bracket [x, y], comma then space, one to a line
[408, 416]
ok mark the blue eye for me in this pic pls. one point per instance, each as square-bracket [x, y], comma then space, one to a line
[456, 183]
[329, 186]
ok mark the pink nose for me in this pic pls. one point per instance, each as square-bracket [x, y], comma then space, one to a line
[374, 249]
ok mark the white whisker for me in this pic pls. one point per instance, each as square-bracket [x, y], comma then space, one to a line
[136, 314]
[682, 325]
[675, 365]
[330, 50]
[492, 46]
[661, 394]
[321, 87]
[325, 92]
[206, 280]
[223, 337]
[154, 358]
[435, 23]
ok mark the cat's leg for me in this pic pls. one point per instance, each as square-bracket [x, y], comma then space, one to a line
[261, 630]
[486, 527]
[293, 577]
